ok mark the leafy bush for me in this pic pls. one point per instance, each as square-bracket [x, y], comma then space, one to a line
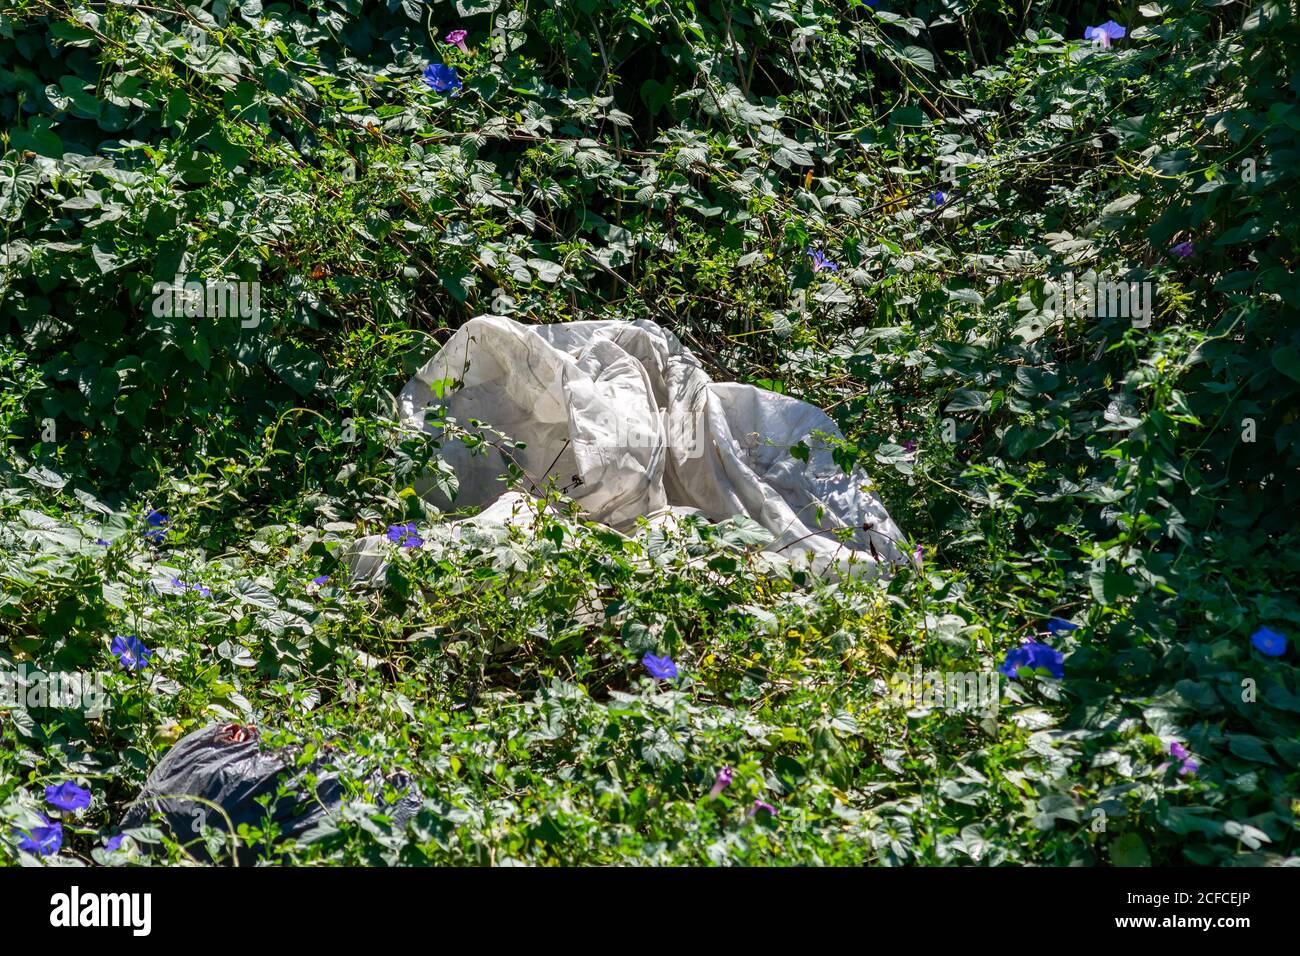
[885, 212]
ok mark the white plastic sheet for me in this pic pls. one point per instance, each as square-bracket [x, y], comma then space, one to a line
[626, 419]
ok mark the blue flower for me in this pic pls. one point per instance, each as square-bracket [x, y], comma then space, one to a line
[442, 78]
[1034, 657]
[182, 586]
[43, 841]
[404, 535]
[101, 542]
[156, 521]
[1110, 30]
[114, 843]
[940, 197]
[660, 668]
[67, 796]
[1059, 625]
[320, 580]
[1269, 642]
[820, 261]
[131, 652]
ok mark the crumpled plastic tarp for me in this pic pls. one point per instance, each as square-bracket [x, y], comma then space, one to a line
[627, 421]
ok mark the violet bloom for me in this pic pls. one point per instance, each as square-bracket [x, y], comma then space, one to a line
[101, 542]
[323, 579]
[660, 668]
[1033, 657]
[820, 261]
[67, 796]
[918, 555]
[761, 805]
[457, 38]
[722, 782]
[182, 586]
[131, 652]
[1269, 642]
[404, 535]
[1104, 34]
[940, 198]
[1184, 249]
[1059, 625]
[443, 78]
[1186, 766]
[114, 843]
[43, 841]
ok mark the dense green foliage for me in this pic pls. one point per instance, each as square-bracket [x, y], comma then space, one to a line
[676, 161]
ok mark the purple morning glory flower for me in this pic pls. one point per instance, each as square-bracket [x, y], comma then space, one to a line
[820, 261]
[1186, 765]
[909, 446]
[1033, 657]
[940, 198]
[918, 555]
[722, 782]
[114, 843]
[1059, 625]
[1184, 249]
[67, 796]
[101, 542]
[182, 586]
[1110, 30]
[404, 535]
[157, 531]
[457, 38]
[1269, 642]
[43, 841]
[761, 805]
[320, 580]
[442, 78]
[660, 668]
[131, 652]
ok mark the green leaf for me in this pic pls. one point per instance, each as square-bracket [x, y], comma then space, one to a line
[297, 367]
[1287, 361]
[1249, 747]
[968, 400]
[908, 116]
[919, 56]
[1129, 850]
[17, 183]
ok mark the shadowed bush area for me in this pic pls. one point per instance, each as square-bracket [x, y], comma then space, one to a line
[1046, 286]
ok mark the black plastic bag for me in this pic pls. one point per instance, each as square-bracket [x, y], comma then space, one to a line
[224, 764]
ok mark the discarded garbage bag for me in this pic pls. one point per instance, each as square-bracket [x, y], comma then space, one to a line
[224, 765]
[624, 415]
